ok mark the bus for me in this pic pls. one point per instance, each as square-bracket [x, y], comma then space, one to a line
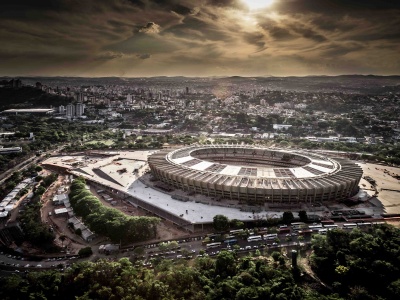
[254, 238]
[327, 222]
[236, 231]
[364, 224]
[231, 241]
[284, 230]
[331, 226]
[378, 223]
[323, 231]
[213, 245]
[315, 227]
[306, 231]
[297, 224]
[270, 236]
[349, 225]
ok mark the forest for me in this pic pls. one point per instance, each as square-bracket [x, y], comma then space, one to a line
[352, 265]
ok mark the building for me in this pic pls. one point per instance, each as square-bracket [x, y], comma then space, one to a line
[80, 97]
[61, 212]
[10, 150]
[86, 234]
[255, 175]
[46, 111]
[60, 199]
[79, 109]
[281, 126]
[70, 110]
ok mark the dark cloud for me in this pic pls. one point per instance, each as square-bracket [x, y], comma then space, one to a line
[105, 56]
[334, 50]
[143, 56]
[328, 7]
[275, 30]
[280, 33]
[223, 3]
[256, 39]
[205, 29]
[172, 5]
[308, 33]
[138, 3]
[329, 23]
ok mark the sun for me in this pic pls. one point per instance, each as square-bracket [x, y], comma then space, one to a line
[258, 4]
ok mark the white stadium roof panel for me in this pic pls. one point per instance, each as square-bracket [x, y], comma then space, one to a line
[301, 173]
[202, 166]
[230, 170]
[182, 160]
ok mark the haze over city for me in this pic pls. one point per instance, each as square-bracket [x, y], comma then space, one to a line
[139, 38]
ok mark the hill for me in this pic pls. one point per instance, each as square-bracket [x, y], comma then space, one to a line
[29, 97]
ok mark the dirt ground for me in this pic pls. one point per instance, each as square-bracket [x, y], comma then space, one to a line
[73, 242]
[384, 180]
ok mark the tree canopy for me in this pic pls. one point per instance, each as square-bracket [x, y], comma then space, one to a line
[109, 222]
[220, 223]
[360, 263]
[355, 265]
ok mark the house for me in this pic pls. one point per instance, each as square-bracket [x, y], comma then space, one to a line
[281, 126]
[60, 199]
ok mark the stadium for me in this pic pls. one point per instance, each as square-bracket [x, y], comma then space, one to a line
[255, 175]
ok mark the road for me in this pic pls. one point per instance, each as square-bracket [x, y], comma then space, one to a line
[26, 163]
[189, 248]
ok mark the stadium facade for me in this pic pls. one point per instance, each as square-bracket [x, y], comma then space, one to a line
[256, 175]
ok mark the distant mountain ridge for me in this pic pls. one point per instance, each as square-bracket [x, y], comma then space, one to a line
[353, 83]
[29, 97]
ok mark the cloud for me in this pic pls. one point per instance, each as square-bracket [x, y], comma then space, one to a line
[257, 39]
[207, 37]
[143, 56]
[150, 27]
[308, 33]
[109, 55]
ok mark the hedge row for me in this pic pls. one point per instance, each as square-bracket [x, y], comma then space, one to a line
[109, 222]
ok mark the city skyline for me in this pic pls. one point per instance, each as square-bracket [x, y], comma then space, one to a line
[141, 38]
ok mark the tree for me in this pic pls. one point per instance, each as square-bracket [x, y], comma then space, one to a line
[303, 216]
[40, 190]
[139, 250]
[225, 264]
[85, 252]
[236, 224]
[173, 245]
[162, 246]
[276, 255]
[220, 223]
[287, 217]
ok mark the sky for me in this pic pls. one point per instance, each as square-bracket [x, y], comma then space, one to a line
[142, 38]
